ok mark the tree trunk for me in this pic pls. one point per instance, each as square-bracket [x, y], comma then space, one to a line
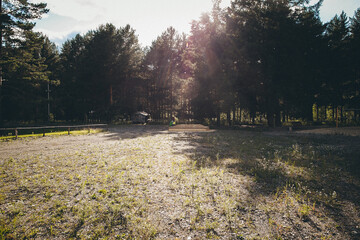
[234, 114]
[341, 114]
[317, 112]
[111, 95]
[253, 118]
[283, 117]
[1, 35]
[278, 119]
[240, 117]
[228, 114]
[218, 119]
[270, 119]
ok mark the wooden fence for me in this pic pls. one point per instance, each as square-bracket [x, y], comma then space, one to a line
[88, 126]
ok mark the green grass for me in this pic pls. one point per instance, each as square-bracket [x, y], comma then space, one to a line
[56, 133]
[153, 185]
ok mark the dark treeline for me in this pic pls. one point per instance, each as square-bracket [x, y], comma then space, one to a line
[257, 61]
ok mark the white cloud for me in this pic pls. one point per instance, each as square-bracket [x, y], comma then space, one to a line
[148, 17]
[54, 35]
[332, 7]
[81, 10]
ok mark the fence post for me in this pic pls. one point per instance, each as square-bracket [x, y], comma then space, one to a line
[44, 132]
[16, 133]
[68, 130]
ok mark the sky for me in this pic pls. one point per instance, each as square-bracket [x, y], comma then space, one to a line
[148, 17]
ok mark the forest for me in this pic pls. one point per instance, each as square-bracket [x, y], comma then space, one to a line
[256, 62]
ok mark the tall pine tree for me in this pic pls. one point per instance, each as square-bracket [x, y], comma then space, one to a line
[15, 21]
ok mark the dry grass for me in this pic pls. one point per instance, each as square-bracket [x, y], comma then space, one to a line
[143, 182]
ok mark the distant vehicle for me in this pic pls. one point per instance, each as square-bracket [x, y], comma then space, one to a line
[140, 117]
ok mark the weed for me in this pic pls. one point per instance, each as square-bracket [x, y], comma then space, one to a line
[4, 232]
[102, 191]
[226, 185]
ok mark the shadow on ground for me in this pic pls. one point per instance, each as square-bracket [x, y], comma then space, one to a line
[324, 170]
[135, 131]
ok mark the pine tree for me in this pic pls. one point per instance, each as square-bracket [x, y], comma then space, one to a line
[213, 91]
[162, 61]
[270, 58]
[15, 21]
[337, 37]
[100, 70]
[29, 69]
[354, 84]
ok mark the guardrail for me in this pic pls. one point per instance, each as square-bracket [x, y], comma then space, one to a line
[88, 126]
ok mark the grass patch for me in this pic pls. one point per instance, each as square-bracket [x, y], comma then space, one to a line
[150, 184]
[55, 133]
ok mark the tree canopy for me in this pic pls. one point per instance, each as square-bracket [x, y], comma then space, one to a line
[21, 56]
[257, 61]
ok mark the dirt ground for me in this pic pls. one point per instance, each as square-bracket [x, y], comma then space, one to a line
[146, 182]
[348, 131]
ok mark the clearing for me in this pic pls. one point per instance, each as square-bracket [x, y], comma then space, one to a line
[145, 182]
